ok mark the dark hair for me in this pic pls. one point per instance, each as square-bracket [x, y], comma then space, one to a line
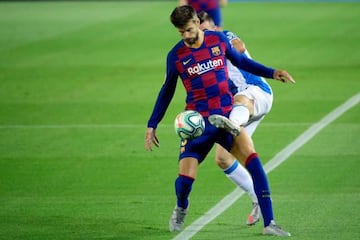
[204, 16]
[181, 15]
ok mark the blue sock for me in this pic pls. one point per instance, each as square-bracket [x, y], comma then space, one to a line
[261, 187]
[183, 185]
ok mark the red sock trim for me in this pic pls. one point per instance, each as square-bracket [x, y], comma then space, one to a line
[183, 175]
[251, 157]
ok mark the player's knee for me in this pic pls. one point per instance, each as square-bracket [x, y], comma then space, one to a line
[223, 162]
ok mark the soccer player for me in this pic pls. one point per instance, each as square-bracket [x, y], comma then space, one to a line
[241, 86]
[252, 101]
[199, 59]
[212, 7]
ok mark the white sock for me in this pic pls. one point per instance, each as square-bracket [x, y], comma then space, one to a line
[239, 114]
[241, 177]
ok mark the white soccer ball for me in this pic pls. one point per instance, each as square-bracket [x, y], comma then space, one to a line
[189, 124]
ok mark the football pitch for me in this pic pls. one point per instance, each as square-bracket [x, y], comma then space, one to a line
[78, 81]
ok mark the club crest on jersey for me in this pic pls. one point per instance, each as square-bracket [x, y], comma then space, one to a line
[216, 51]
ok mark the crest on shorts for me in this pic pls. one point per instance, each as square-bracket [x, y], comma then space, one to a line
[182, 145]
[216, 51]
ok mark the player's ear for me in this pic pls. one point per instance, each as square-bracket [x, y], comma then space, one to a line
[197, 21]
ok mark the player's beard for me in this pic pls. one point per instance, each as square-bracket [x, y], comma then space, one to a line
[191, 41]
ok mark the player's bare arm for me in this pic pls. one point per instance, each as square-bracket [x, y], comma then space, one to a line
[238, 45]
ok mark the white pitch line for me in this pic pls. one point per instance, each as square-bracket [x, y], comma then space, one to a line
[279, 158]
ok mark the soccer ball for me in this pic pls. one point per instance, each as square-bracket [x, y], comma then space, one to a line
[189, 124]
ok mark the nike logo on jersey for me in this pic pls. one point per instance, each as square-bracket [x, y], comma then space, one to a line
[186, 61]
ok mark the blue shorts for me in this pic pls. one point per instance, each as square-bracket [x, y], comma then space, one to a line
[199, 147]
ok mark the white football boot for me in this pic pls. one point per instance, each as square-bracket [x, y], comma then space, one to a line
[220, 121]
[177, 218]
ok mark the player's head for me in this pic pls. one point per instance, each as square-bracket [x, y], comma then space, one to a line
[185, 19]
[183, 15]
[206, 22]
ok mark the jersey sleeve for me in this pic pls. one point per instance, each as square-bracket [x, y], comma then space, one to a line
[243, 62]
[230, 35]
[165, 95]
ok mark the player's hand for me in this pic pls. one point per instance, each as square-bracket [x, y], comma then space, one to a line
[150, 138]
[283, 76]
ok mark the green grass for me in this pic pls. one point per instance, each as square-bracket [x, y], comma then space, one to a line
[78, 82]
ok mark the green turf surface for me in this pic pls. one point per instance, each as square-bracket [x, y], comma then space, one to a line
[79, 80]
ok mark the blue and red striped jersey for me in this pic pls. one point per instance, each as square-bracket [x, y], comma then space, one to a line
[212, 7]
[204, 74]
[204, 5]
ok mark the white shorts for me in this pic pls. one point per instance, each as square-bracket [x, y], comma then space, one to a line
[262, 105]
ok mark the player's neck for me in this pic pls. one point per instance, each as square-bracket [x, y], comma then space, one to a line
[199, 42]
